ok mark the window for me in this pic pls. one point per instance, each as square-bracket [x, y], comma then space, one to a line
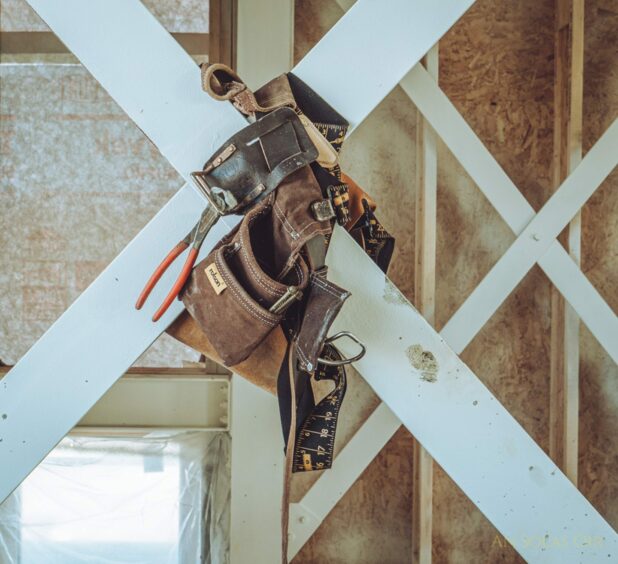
[161, 499]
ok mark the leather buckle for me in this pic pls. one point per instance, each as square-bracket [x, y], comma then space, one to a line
[343, 361]
[199, 178]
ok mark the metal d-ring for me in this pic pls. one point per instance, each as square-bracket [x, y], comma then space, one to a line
[343, 361]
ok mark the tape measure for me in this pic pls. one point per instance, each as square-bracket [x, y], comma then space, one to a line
[315, 442]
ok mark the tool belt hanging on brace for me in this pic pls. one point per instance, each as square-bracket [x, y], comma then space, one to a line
[281, 173]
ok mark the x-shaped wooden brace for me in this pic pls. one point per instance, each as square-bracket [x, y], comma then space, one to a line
[507, 464]
[535, 243]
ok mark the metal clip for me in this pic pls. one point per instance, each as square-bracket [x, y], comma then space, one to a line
[343, 361]
[291, 294]
[323, 210]
[199, 177]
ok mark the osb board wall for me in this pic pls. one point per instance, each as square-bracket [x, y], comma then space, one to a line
[598, 453]
[496, 65]
[78, 182]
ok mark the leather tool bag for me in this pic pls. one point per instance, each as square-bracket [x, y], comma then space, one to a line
[261, 299]
[234, 292]
[270, 258]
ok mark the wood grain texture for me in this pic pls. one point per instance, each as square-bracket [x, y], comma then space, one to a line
[567, 154]
[425, 295]
[598, 449]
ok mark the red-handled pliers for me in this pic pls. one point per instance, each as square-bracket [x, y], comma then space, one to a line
[193, 241]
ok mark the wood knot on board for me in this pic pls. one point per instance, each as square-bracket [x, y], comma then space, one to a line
[424, 361]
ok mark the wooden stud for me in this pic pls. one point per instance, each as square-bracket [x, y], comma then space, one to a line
[265, 40]
[568, 108]
[424, 292]
[222, 32]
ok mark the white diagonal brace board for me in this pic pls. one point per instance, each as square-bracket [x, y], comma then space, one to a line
[157, 84]
[307, 515]
[512, 207]
[503, 194]
[462, 425]
[534, 241]
[569, 500]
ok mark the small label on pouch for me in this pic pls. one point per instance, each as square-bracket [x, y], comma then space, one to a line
[215, 278]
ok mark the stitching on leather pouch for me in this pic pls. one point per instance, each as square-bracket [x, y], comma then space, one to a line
[320, 284]
[308, 226]
[273, 290]
[249, 307]
[299, 274]
[300, 352]
[284, 220]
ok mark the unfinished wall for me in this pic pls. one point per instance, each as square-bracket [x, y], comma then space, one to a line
[78, 181]
[496, 66]
[598, 453]
[61, 224]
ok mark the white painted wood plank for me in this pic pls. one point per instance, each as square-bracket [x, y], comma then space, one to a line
[157, 84]
[512, 207]
[175, 402]
[257, 445]
[257, 475]
[147, 73]
[265, 40]
[400, 32]
[462, 425]
[536, 239]
[307, 515]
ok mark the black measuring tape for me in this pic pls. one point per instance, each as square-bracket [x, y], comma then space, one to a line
[315, 440]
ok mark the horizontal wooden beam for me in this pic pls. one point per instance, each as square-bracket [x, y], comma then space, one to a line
[46, 43]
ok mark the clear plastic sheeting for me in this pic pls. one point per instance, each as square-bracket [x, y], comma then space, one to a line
[158, 500]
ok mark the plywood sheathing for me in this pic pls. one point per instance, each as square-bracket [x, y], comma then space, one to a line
[598, 435]
[496, 65]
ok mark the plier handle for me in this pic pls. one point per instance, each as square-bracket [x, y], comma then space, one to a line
[193, 241]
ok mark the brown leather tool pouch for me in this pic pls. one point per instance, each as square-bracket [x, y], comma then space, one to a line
[324, 303]
[252, 163]
[234, 294]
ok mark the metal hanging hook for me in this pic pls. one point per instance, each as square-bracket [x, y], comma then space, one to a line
[343, 361]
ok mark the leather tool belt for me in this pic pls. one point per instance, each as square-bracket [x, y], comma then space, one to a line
[282, 173]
